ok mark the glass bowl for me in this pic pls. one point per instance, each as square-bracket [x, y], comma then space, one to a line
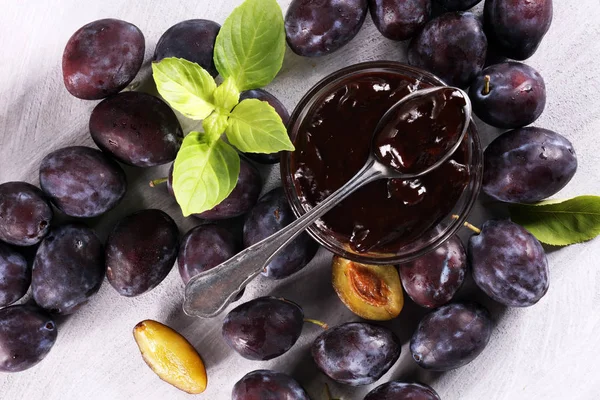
[432, 238]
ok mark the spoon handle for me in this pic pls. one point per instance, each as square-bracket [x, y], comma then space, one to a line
[208, 293]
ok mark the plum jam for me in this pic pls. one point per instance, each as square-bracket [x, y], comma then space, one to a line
[333, 143]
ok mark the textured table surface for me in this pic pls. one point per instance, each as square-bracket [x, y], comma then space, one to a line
[549, 351]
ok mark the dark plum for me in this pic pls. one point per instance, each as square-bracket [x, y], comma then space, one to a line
[68, 269]
[458, 5]
[263, 328]
[433, 279]
[452, 46]
[509, 264]
[396, 390]
[102, 58]
[528, 165]
[263, 95]
[508, 95]
[271, 214]
[400, 19]
[25, 214]
[356, 353]
[15, 275]
[516, 27]
[137, 129]
[26, 337]
[267, 385]
[192, 40]
[316, 28]
[140, 251]
[204, 247]
[451, 336]
[81, 181]
[242, 199]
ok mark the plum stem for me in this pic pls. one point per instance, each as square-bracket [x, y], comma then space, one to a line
[486, 85]
[317, 322]
[328, 393]
[156, 182]
[469, 225]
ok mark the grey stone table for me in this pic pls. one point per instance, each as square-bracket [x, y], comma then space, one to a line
[549, 351]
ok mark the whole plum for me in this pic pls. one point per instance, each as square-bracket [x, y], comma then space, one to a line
[451, 336]
[509, 264]
[400, 19]
[137, 129]
[452, 46]
[102, 58]
[516, 27]
[68, 269]
[26, 337]
[25, 214]
[508, 95]
[316, 28]
[396, 390]
[528, 165]
[15, 275]
[356, 353]
[267, 385]
[192, 40]
[140, 251]
[81, 181]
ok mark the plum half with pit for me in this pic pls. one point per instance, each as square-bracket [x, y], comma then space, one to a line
[508, 95]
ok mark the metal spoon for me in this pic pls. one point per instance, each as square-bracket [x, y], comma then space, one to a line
[208, 293]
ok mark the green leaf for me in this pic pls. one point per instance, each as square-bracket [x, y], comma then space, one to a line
[215, 125]
[560, 223]
[255, 127]
[251, 44]
[227, 96]
[186, 86]
[205, 173]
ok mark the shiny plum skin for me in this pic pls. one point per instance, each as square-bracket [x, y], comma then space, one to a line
[399, 19]
[509, 264]
[458, 5]
[433, 279]
[452, 46]
[268, 385]
[25, 214]
[192, 40]
[204, 247]
[356, 353]
[516, 97]
[528, 165]
[451, 336]
[102, 58]
[137, 129]
[263, 95]
[68, 269]
[26, 336]
[516, 27]
[81, 181]
[271, 214]
[140, 252]
[15, 275]
[316, 28]
[396, 390]
[242, 199]
[263, 328]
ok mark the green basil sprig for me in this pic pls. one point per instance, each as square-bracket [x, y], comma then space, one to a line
[249, 53]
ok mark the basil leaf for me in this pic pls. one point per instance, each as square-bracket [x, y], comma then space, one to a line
[560, 223]
[186, 86]
[227, 96]
[255, 127]
[251, 44]
[214, 125]
[205, 173]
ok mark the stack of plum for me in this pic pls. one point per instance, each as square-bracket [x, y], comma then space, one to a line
[138, 129]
